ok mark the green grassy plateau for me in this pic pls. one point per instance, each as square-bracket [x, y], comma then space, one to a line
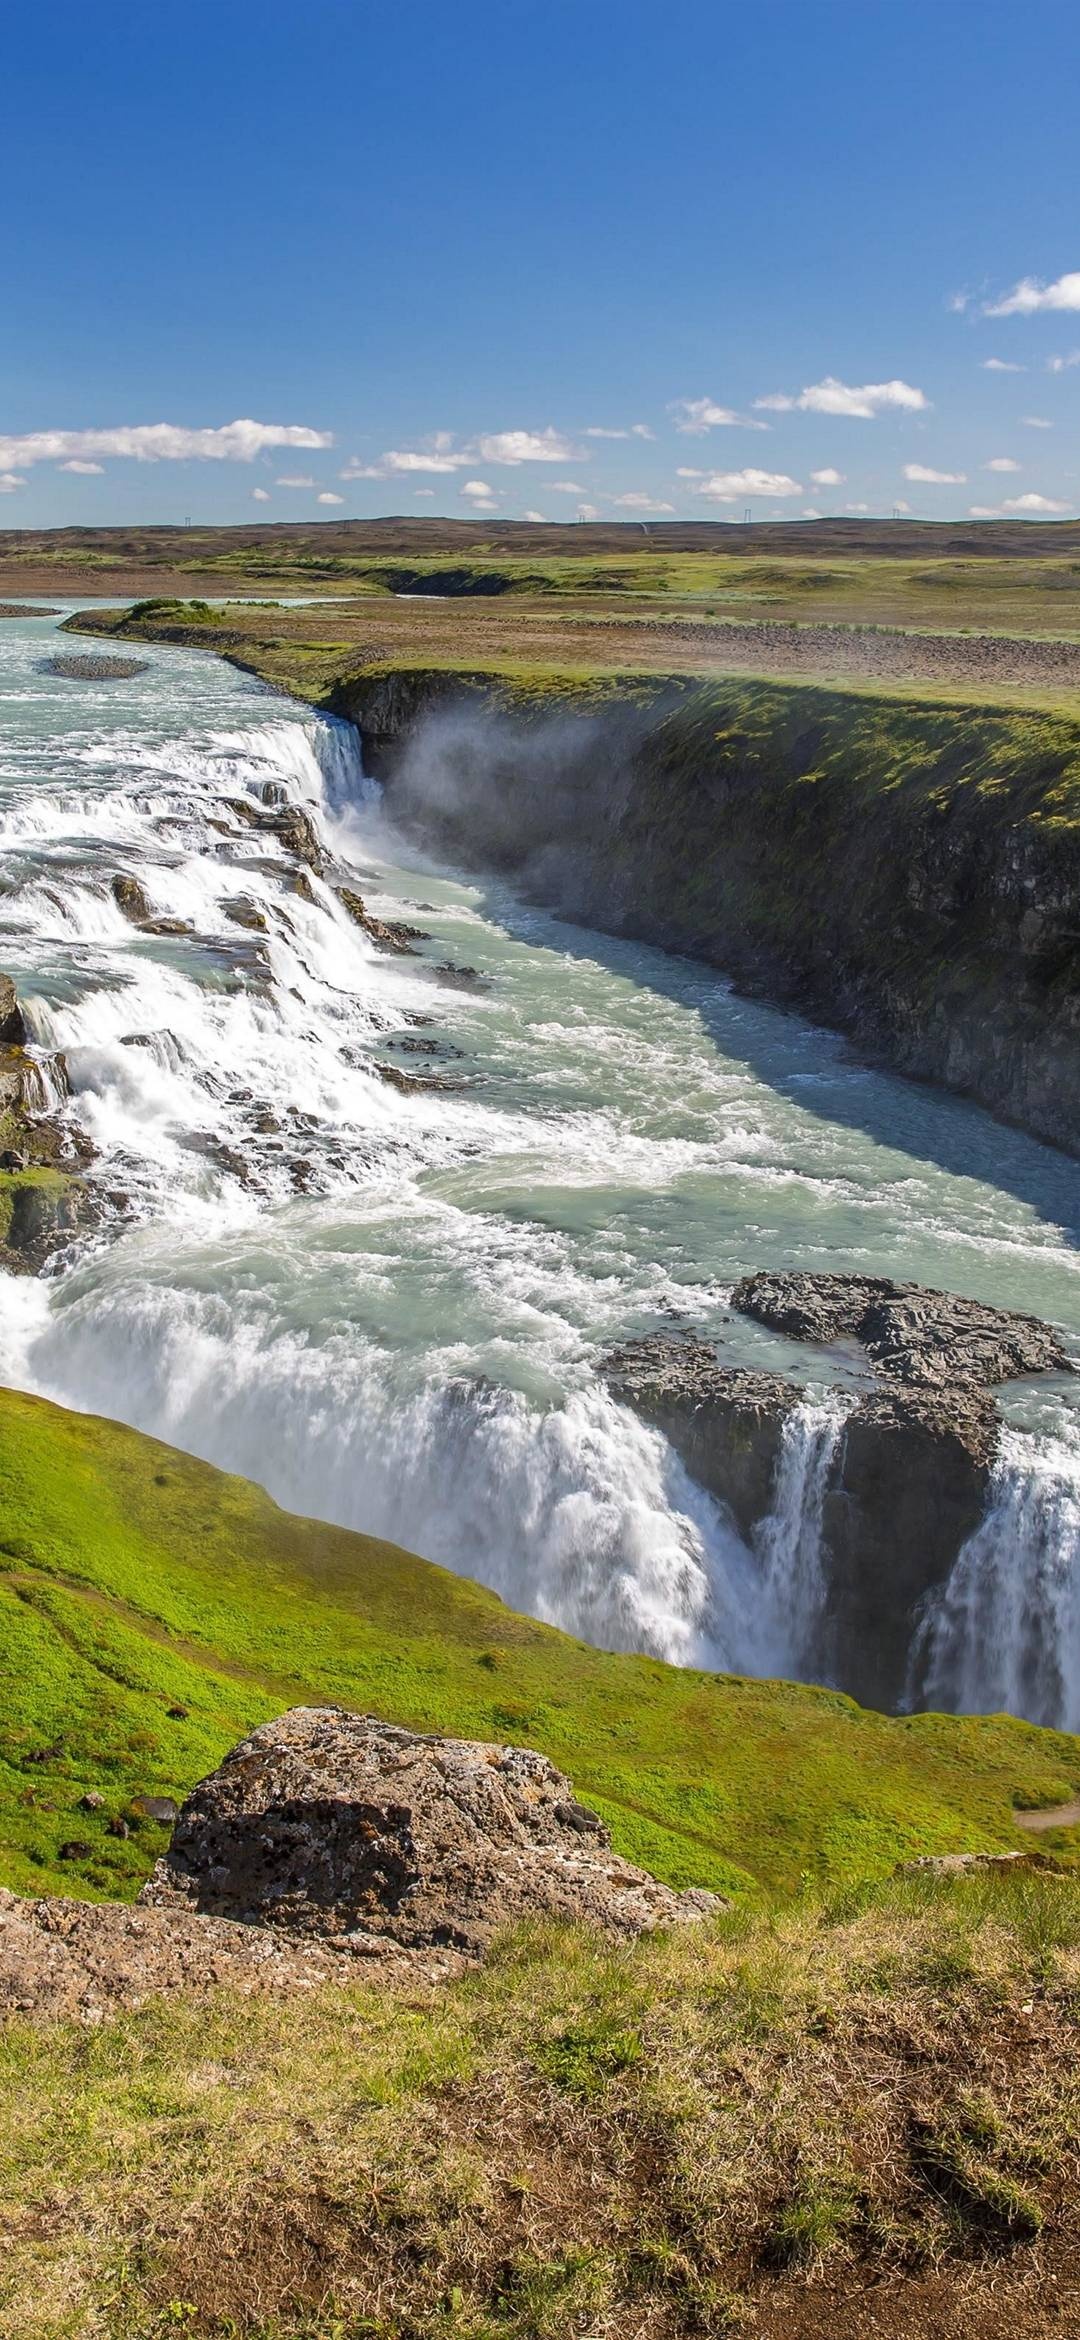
[154, 1609]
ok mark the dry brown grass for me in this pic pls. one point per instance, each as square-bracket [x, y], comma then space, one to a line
[836, 2121]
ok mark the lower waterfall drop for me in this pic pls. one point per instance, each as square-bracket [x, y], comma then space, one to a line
[1004, 1632]
[788, 1541]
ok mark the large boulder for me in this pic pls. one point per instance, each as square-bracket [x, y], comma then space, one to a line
[328, 1823]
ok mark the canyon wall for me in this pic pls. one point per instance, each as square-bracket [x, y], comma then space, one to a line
[909, 873]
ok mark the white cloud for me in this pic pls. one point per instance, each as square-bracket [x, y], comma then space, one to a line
[827, 478]
[479, 492]
[636, 502]
[399, 461]
[1001, 366]
[587, 512]
[687, 471]
[863, 401]
[1033, 503]
[1029, 296]
[1060, 365]
[542, 516]
[1036, 422]
[9, 481]
[1001, 463]
[327, 498]
[260, 495]
[440, 453]
[235, 442]
[295, 479]
[526, 447]
[641, 431]
[958, 302]
[724, 487]
[927, 478]
[566, 487]
[85, 470]
[856, 507]
[423, 491]
[900, 505]
[695, 416]
[809, 513]
[597, 431]
[983, 512]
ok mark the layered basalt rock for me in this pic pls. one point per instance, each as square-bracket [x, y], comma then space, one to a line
[333, 1824]
[724, 1423]
[910, 1473]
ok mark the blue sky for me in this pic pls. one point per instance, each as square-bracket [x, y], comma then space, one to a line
[444, 246]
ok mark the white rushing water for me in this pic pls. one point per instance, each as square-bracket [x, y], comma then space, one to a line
[390, 1307]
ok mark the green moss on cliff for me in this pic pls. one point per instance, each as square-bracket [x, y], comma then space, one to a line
[152, 1610]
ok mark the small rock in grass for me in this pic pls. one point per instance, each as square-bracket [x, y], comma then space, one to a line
[163, 1808]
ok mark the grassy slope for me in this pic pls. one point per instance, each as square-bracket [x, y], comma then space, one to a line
[136, 1580]
[851, 2120]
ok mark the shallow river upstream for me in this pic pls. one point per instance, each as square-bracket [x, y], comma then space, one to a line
[390, 1306]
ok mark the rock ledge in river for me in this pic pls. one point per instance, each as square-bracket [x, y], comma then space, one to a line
[910, 1333]
[330, 1824]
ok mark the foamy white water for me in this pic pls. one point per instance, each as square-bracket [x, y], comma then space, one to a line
[391, 1308]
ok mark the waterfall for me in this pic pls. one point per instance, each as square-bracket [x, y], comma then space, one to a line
[787, 1542]
[1004, 1633]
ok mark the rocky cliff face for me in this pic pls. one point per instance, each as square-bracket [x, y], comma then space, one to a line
[909, 1477]
[910, 874]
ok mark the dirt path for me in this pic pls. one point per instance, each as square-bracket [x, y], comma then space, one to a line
[1050, 1816]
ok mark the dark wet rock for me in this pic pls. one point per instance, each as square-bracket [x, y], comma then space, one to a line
[223, 1156]
[13, 1030]
[130, 897]
[414, 1084]
[724, 1423]
[244, 912]
[40, 1210]
[908, 1486]
[408, 1044]
[460, 978]
[92, 1801]
[909, 1333]
[118, 1827]
[75, 1850]
[325, 1823]
[291, 825]
[387, 934]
